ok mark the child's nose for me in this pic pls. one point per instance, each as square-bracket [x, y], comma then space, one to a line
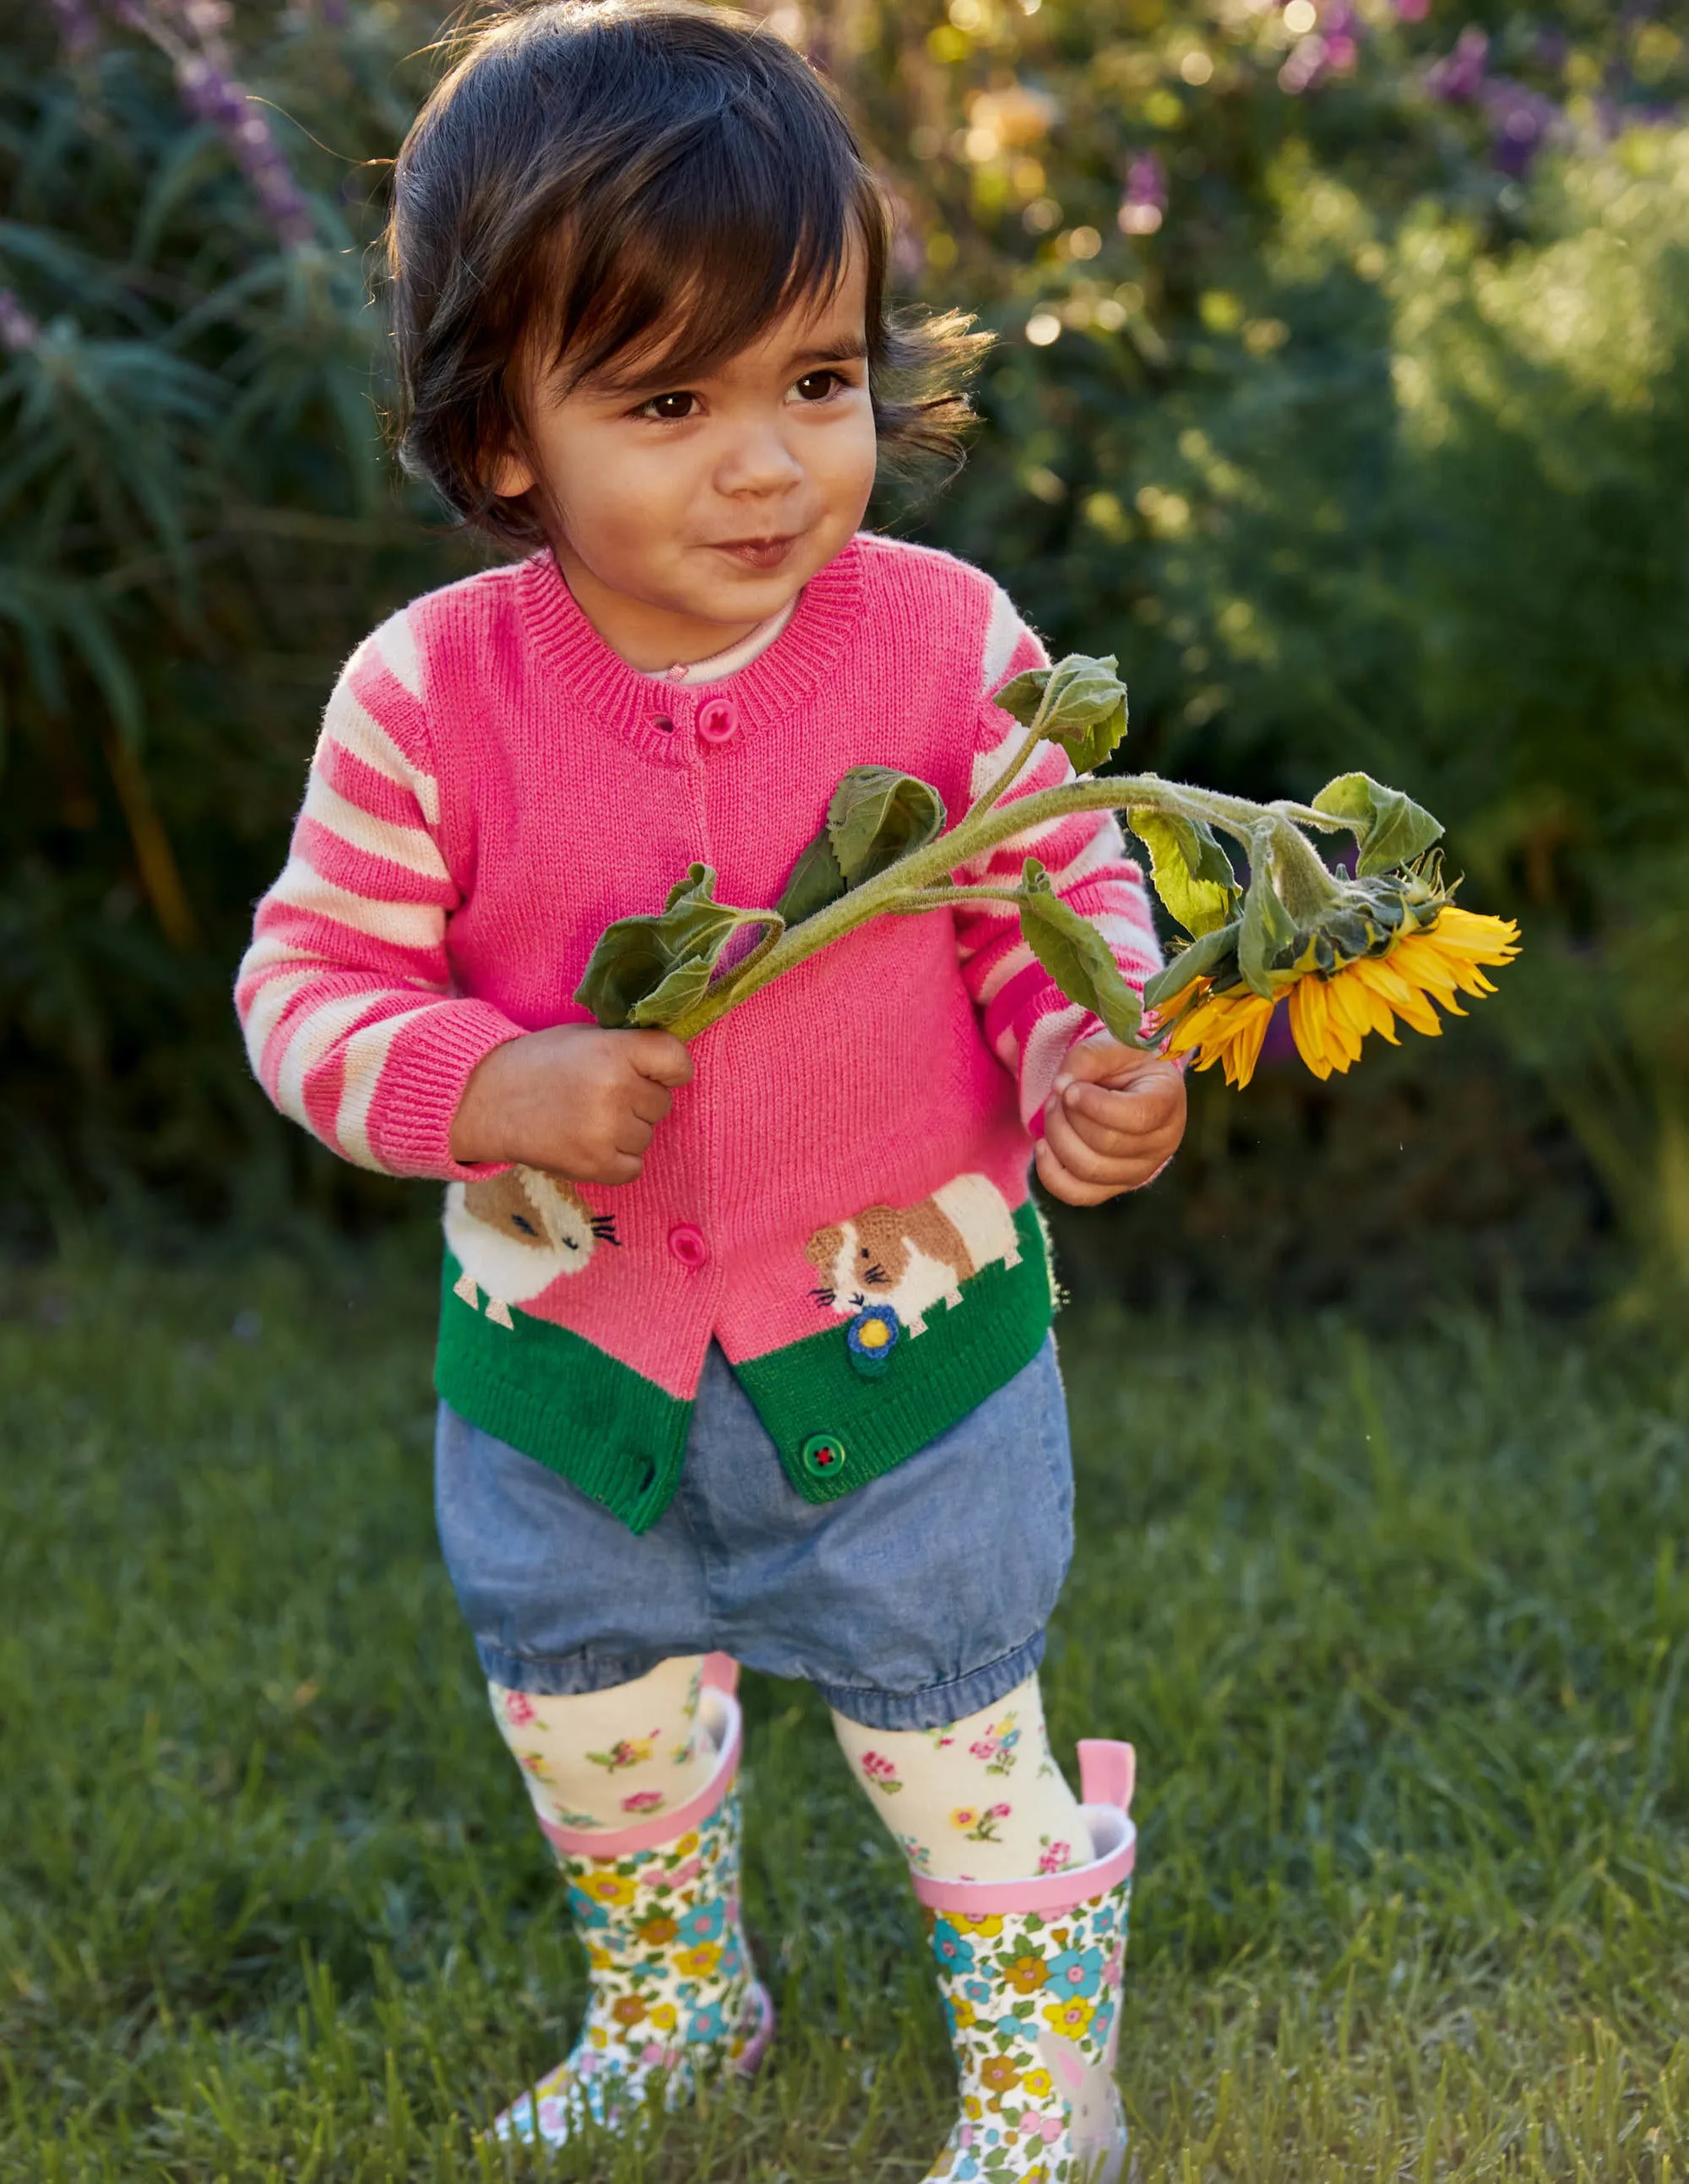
[759, 461]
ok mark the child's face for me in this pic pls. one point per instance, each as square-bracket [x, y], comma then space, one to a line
[684, 515]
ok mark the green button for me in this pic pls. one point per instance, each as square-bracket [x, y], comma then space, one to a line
[823, 1456]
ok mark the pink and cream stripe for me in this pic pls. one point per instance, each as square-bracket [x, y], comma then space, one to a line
[346, 989]
[1029, 1024]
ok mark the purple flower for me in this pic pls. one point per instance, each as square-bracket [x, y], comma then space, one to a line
[191, 32]
[1520, 121]
[1143, 203]
[1458, 77]
[1331, 50]
[19, 330]
[79, 30]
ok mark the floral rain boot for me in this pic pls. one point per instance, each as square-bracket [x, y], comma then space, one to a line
[671, 1994]
[1030, 1971]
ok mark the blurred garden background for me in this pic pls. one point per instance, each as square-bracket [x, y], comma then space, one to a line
[1342, 390]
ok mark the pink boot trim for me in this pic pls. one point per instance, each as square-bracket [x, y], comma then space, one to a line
[1105, 1775]
[720, 1673]
[749, 2061]
[719, 1712]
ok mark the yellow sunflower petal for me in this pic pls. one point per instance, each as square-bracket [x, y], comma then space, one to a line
[1357, 1006]
[1424, 965]
[1487, 940]
[1251, 1034]
[1307, 1026]
[1223, 1027]
[1407, 1001]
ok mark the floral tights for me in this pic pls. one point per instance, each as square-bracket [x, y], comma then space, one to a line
[980, 1799]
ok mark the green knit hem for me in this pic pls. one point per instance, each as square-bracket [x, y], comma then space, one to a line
[622, 1440]
[571, 1406]
[809, 1393]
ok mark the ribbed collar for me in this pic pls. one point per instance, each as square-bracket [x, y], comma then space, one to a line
[600, 683]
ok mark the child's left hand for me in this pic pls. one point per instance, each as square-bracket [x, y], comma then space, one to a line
[1113, 1120]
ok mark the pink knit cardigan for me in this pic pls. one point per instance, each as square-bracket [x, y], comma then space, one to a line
[494, 785]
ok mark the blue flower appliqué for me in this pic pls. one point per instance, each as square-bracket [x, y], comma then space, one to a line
[871, 1338]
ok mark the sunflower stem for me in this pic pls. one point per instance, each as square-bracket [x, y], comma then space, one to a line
[983, 829]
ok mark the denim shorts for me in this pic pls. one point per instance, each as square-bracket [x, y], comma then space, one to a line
[910, 1602]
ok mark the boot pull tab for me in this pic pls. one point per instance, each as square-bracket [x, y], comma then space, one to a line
[1107, 1772]
[720, 1673]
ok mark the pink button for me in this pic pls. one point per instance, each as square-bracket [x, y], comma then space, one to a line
[688, 1244]
[718, 722]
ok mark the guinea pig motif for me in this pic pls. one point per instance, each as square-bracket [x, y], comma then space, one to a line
[911, 1257]
[514, 1233]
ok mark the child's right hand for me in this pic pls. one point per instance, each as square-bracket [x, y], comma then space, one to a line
[581, 1102]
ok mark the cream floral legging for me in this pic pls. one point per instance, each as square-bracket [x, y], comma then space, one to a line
[981, 1799]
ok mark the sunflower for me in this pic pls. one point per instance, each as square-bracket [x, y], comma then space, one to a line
[1332, 1011]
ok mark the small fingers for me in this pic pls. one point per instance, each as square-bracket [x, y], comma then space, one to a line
[649, 1100]
[1112, 1170]
[1060, 1183]
[660, 1056]
[1126, 1123]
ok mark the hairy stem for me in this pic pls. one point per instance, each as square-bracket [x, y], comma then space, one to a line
[981, 830]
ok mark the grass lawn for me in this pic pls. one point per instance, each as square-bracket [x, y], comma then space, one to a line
[1399, 1629]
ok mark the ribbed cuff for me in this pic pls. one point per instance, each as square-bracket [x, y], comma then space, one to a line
[423, 1088]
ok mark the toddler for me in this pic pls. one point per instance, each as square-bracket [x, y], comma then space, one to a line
[745, 1352]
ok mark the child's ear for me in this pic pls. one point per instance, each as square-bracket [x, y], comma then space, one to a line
[513, 475]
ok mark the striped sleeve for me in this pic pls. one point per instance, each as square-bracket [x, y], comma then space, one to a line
[1029, 1022]
[344, 995]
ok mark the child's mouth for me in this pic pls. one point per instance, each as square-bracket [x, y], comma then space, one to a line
[759, 553]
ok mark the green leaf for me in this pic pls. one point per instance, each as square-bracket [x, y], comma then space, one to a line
[1079, 702]
[1391, 828]
[878, 815]
[1200, 959]
[1076, 956]
[1023, 695]
[815, 881]
[1267, 929]
[1192, 873]
[648, 970]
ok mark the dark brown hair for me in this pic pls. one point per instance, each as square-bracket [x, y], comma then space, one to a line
[589, 172]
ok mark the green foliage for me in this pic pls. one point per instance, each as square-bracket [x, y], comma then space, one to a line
[878, 815]
[650, 970]
[1390, 828]
[1397, 1627]
[1079, 702]
[1363, 454]
[1360, 450]
[1191, 872]
[1076, 956]
[197, 524]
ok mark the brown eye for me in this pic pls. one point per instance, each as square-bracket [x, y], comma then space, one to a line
[670, 409]
[816, 385]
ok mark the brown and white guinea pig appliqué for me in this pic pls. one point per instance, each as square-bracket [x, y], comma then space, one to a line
[513, 1235]
[913, 1257]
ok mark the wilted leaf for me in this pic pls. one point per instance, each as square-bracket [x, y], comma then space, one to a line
[1077, 956]
[1391, 828]
[876, 816]
[1079, 702]
[1199, 960]
[647, 970]
[815, 881]
[1192, 873]
[1268, 927]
